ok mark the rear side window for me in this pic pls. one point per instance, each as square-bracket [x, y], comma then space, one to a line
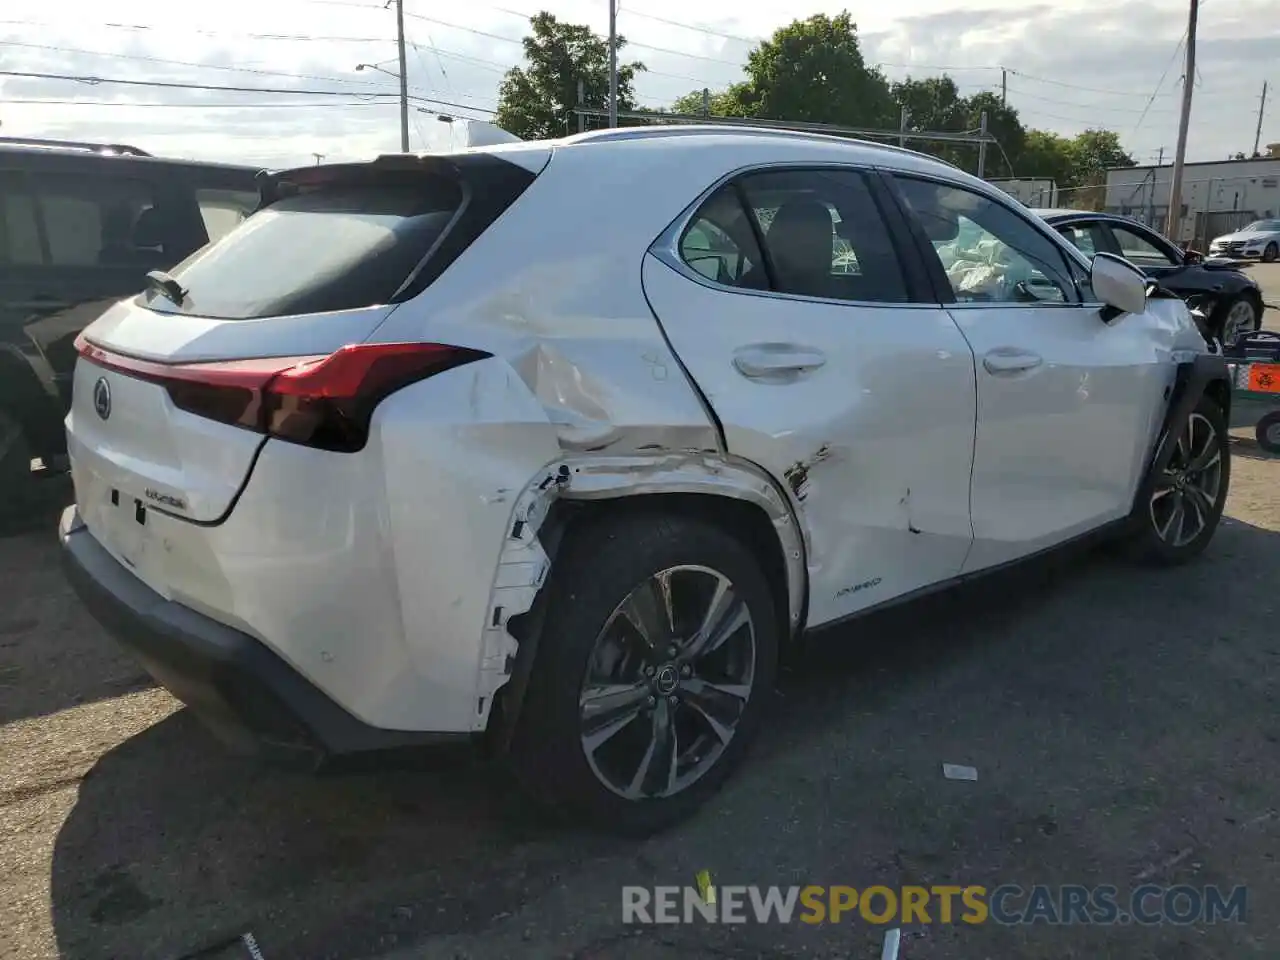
[20, 238]
[824, 236]
[100, 221]
[354, 237]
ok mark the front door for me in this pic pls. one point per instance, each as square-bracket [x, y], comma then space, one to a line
[1066, 402]
[788, 298]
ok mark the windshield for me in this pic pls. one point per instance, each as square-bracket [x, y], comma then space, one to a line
[338, 247]
[1265, 226]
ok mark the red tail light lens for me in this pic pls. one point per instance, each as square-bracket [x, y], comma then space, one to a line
[318, 401]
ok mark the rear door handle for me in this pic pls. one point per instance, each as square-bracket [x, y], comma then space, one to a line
[1004, 360]
[777, 361]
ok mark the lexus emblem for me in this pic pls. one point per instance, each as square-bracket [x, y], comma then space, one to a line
[102, 398]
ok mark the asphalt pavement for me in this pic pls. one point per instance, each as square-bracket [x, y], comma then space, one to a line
[1122, 721]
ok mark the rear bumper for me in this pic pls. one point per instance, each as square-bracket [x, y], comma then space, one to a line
[250, 697]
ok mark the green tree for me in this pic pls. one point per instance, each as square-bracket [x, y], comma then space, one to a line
[536, 101]
[732, 102]
[810, 71]
[1046, 156]
[1093, 153]
[1003, 124]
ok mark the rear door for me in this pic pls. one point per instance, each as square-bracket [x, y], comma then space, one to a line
[787, 296]
[1066, 402]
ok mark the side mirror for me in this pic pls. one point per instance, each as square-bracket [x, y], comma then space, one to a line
[1118, 284]
[1193, 257]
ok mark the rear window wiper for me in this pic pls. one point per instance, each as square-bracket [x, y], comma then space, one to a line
[163, 283]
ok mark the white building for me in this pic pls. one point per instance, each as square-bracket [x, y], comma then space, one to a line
[1217, 196]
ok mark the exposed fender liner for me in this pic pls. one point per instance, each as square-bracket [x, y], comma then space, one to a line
[1190, 383]
[518, 606]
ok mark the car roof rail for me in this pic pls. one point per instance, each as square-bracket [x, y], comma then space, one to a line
[121, 149]
[745, 129]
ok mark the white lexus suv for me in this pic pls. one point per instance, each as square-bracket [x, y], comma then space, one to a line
[560, 445]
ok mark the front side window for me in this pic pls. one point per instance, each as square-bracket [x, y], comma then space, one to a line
[989, 253]
[824, 236]
[1138, 250]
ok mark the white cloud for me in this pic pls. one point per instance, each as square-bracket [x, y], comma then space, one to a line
[1073, 64]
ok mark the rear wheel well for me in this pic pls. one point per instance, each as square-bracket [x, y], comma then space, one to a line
[1219, 391]
[744, 520]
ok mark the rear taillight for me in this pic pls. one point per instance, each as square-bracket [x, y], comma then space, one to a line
[319, 401]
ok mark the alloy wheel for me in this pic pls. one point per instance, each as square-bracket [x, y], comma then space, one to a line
[667, 683]
[1189, 487]
[1241, 319]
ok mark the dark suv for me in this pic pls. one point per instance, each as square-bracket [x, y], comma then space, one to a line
[81, 225]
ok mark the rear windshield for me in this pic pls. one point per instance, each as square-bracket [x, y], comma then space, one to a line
[331, 248]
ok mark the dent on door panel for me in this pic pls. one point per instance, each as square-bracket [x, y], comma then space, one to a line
[873, 445]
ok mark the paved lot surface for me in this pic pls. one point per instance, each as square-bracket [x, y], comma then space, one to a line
[1123, 721]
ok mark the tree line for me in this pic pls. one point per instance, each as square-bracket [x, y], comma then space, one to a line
[811, 70]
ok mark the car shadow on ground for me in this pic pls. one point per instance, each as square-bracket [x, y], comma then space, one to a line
[53, 655]
[174, 845]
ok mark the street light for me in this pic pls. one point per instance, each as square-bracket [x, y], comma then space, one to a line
[404, 100]
[374, 66]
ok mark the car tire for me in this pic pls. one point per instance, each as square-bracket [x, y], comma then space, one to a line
[1267, 432]
[1270, 252]
[1238, 316]
[601, 769]
[1179, 519]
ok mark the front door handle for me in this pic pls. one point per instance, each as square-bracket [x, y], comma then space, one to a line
[1005, 360]
[777, 361]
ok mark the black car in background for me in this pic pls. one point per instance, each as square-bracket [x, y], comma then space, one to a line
[81, 225]
[1229, 298]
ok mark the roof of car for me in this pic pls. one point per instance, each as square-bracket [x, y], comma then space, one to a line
[726, 147]
[1058, 213]
[103, 152]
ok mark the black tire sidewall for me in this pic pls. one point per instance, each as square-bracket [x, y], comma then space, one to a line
[1260, 432]
[1270, 252]
[598, 567]
[1220, 327]
[1150, 546]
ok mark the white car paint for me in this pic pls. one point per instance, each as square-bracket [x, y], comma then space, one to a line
[1249, 241]
[387, 577]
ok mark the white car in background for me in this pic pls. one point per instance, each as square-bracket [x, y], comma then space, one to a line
[1259, 240]
[561, 444]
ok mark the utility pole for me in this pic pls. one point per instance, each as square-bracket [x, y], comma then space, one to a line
[582, 96]
[903, 118]
[1173, 222]
[706, 101]
[319, 157]
[613, 63]
[1151, 196]
[1004, 86]
[982, 144]
[1257, 137]
[404, 79]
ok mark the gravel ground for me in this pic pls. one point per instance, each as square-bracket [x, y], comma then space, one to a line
[1123, 722]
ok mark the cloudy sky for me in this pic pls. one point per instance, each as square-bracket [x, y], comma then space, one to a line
[1071, 64]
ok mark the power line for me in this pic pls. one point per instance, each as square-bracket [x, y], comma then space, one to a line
[180, 63]
[51, 102]
[175, 85]
[1160, 82]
